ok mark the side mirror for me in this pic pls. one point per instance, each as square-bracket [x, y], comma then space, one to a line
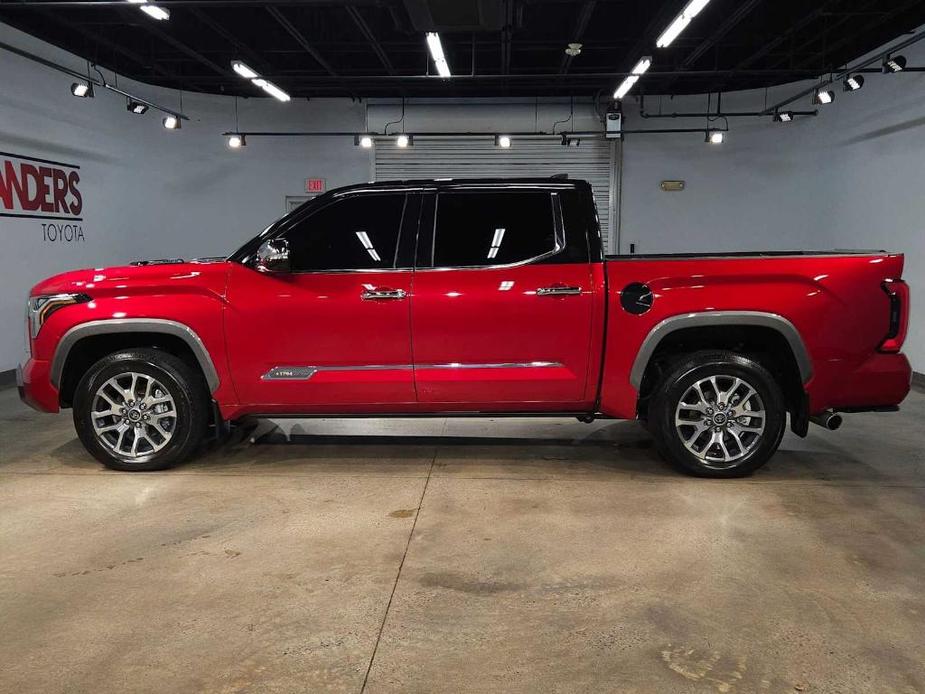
[273, 256]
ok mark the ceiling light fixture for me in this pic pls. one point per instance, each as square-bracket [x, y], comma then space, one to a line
[236, 141]
[136, 107]
[243, 70]
[640, 68]
[436, 52]
[894, 64]
[783, 116]
[271, 89]
[158, 13]
[854, 82]
[364, 141]
[404, 141]
[716, 137]
[82, 90]
[691, 10]
[171, 122]
[824, 96]
[503, 141]
[570, 141]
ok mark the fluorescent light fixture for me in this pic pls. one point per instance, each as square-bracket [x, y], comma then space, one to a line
[136, 107]
[171, 122]
[82, 89]
[436, 52]
[691, 10]
[368, 245]
[716, 137]
[783, 117]
[158, 13]
[640, 68]
[854, 82]
[403, 140]
[503, 141]
[895, 63]
[271, 89]
[243, 70]
[364, 141]
[825, 96]
[236, 141]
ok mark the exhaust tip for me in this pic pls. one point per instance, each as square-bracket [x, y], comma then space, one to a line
[827, 420]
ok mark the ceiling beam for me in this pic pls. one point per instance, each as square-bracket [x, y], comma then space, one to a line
[370, 38]
[301, 40]
[581, 24]
[151, 28]
[246, 52]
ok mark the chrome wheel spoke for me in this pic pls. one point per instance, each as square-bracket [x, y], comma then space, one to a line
[138, 403]
[730, 410]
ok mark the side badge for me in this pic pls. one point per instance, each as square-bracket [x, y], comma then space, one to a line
[636, 298]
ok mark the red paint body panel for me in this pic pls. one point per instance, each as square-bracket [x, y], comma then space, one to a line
[251, 322]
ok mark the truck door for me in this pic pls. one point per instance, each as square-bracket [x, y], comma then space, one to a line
[334, 333]
[502, 309]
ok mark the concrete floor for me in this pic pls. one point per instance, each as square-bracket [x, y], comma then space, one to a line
[463, 555]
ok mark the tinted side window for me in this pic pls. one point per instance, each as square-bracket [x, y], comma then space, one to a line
[355, 233]
[487, 228]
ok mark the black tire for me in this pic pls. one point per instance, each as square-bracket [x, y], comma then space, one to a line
[746, 450]
[181, 382]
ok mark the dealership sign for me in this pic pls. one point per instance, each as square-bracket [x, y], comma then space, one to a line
[33, 188]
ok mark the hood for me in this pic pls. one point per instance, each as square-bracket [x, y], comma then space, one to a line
[146, 275]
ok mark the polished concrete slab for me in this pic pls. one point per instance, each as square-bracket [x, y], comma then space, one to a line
[463, 555]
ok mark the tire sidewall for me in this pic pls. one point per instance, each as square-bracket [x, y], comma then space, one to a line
[167, 373]
[683, 377]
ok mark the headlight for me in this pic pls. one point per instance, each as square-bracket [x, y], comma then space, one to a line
[40, 308]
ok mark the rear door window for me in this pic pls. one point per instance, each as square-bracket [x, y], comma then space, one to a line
[486, 228]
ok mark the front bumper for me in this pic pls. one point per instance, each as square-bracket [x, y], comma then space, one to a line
[33, 380]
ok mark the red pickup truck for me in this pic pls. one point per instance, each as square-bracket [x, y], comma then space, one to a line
[468, 297]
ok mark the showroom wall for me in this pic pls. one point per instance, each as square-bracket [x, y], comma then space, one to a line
[848, 178]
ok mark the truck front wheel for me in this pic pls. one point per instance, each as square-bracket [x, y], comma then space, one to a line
[718, 414]
[140, 409]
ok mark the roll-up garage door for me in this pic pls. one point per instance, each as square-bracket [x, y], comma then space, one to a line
[478, 157]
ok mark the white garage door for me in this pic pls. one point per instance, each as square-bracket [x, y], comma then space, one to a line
[477, 157]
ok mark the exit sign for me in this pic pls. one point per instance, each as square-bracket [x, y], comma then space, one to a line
[314, 185]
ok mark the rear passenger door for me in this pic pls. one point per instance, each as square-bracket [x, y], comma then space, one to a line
[502, 307]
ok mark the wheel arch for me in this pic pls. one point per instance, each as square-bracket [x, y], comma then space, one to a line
[144, 329]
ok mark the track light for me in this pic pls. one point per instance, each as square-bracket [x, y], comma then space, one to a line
[243, 70]
[82, 89]
[640, 68]
[436, 52]
[271, 89]
[824, 96]
[236, 141]
[153, 11]
[854, 82]
[503, 141]
[894, 64]
[404, 140]
[570, 141]
[691, 10]
[783, 117]
[136, 107]
[716, 137]
[171, 122]
[364, 141]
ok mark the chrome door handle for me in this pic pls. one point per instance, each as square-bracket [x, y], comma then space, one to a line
[558, 290]
[383, 294]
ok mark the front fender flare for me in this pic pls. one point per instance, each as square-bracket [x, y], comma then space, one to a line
[133, 325]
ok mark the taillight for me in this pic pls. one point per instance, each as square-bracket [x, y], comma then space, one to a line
[898, 292]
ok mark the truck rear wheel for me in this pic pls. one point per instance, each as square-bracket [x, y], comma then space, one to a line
[718, 414]
[140, 410]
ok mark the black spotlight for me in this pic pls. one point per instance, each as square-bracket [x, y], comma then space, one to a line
[171, 122]
[854, 82]
[82, 89]
[136, 107]
[896, 63]
[570, 141]
[783, 116]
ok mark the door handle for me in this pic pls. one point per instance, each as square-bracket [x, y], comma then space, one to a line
[558, 290]
[378, 294]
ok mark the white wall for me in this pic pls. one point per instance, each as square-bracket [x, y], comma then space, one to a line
[849, 178]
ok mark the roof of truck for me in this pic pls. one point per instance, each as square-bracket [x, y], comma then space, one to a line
[535, 182]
